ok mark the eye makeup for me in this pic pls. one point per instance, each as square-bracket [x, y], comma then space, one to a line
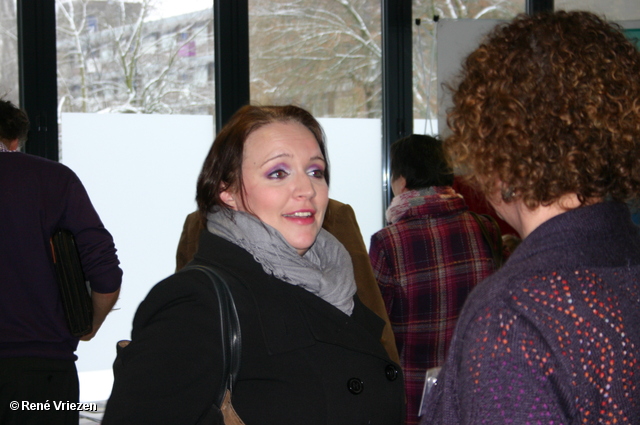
[282, 170]
[278, 169]
[317, 172]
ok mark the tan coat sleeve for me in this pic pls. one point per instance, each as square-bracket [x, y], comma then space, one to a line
[340, 221]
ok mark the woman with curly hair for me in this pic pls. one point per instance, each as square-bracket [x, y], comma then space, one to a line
[546, 123]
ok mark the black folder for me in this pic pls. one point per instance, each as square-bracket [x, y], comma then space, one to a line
[76, 299]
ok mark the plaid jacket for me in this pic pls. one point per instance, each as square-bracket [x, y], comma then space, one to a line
[426, 263]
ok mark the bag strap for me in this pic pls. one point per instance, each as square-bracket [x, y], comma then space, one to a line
[494, 245]
[229, 327]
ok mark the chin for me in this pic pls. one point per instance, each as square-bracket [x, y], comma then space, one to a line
[300, 239]
[302, 245]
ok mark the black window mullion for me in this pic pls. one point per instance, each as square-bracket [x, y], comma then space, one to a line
[397, 83]
[231, 32]
[37, 69]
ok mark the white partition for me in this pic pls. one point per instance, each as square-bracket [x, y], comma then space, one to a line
[456, 39]
[355, 157]
[140, 172]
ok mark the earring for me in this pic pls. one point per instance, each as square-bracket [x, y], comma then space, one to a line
[507, 193]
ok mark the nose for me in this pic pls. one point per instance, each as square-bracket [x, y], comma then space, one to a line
[304, 187]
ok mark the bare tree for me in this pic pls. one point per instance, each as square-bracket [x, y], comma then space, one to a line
[324, 55]
[327, 55]
[111, 57]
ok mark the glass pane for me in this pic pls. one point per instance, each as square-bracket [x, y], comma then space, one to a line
[133, 57]
[426, 13]
[136, 102]
[613, 10]
[9, 52]
[325, 56]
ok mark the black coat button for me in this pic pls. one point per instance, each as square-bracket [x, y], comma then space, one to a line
[355, 385]
[392, 372]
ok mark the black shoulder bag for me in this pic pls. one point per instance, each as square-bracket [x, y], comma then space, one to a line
[231, 340]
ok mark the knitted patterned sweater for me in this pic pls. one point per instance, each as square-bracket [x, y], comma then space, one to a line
[554, 336]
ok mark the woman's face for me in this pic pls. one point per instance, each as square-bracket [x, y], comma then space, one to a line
[284, 184]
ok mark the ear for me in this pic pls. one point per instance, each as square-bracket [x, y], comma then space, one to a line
[228, 198]
[399, 185]
[402, 184]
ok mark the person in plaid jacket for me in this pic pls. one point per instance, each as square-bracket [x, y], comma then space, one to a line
[428, 259]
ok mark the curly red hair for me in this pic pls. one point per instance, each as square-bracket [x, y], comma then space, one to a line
[550, 105]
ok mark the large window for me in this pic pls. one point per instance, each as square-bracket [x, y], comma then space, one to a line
[8, 52]
[135, 110]
[134, 57]
[324, 56]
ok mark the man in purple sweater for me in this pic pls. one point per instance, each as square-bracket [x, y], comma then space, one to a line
[37, 360]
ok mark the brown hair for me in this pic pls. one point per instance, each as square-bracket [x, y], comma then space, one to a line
[420, 159]
[222, 169]
[550, 105]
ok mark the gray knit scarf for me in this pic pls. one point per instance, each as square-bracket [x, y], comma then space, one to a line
[324, 270]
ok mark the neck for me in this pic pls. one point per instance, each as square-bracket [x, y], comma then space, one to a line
[11, 145]
[528, 220]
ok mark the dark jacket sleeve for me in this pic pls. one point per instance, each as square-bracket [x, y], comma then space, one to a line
[171, 370]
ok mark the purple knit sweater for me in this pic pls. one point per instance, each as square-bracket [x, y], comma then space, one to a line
[38, 196]
[554, 336]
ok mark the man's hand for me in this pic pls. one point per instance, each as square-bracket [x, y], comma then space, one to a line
[102, 305]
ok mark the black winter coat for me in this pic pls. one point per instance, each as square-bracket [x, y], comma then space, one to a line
[303, 360]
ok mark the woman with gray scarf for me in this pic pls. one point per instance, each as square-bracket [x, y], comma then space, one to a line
[311, 351]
